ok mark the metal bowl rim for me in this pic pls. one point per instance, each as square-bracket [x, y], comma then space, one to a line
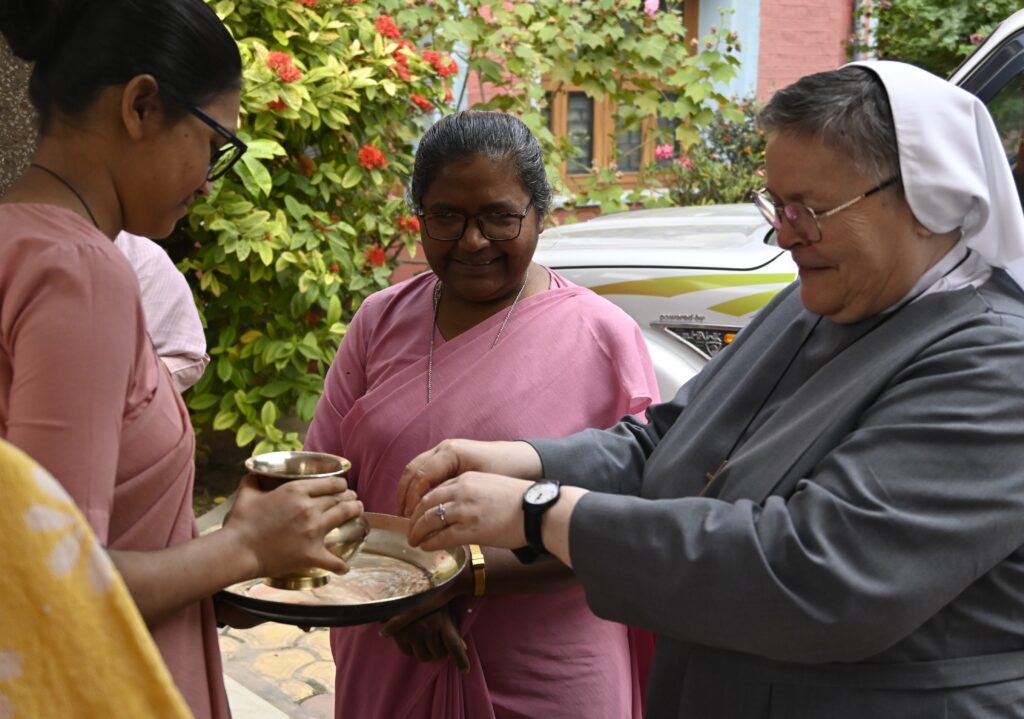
[250, 463]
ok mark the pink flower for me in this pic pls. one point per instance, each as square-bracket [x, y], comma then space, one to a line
[651, 7]
[663, 152]
[684, 162]
[976, 38]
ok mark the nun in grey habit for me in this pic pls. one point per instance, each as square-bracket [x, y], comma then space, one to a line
[828, 521]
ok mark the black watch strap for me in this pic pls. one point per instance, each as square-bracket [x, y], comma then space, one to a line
[537, 500]
[526, 555]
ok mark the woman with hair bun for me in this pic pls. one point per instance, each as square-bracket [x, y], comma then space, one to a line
[137, 104]
[488, 345]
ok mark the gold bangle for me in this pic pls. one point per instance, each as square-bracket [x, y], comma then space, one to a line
[479, 571]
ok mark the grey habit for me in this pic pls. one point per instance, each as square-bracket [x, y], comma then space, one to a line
[860, 553]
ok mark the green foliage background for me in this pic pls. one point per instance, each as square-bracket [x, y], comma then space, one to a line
[724, 167]
[934, 34]
[286, 248]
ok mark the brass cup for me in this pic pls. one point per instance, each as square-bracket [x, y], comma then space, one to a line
[273, 469]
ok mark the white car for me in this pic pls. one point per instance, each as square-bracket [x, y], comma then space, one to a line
[691, 277]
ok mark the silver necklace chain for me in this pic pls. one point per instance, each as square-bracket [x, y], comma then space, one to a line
[433, 330]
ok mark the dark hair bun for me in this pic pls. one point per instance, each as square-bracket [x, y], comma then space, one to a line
[35, 29]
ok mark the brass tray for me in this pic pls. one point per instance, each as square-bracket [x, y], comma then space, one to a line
[386, 578]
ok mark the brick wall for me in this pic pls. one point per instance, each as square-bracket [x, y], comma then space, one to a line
[800, 37]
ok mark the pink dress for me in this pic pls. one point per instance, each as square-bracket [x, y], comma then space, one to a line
[83, 393]
[566, 360]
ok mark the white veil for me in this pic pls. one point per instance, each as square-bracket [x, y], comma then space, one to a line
[953, 165]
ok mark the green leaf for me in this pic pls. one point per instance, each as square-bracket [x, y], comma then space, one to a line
[269, 414]
[224, 369]
[353, 177]
[305, 406]
[333, 310]
[266, 253]
[203, 401]
[275, 389]
[245, 435]
[225, 419]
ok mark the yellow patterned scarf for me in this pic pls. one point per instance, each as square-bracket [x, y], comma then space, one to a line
[72, 643]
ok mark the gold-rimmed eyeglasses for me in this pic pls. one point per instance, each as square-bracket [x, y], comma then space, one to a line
[494, 226]
[804, 220]
[231, 152]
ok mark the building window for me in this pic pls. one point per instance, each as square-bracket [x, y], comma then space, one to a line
[580, 130]
[596, 137]
[629, 146]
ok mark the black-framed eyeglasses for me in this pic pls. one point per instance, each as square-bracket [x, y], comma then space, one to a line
[804, 220]
[494, 226]
[231, 152]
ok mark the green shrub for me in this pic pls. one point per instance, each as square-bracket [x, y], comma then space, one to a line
[288, 246]
[724, 167]
[934, 34]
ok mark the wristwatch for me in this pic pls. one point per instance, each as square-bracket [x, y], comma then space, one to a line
[537, 499]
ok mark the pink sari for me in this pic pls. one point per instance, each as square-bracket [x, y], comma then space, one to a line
[566, 360]
[83, 393]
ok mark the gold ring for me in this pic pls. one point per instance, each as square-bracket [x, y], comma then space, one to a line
[440, 513]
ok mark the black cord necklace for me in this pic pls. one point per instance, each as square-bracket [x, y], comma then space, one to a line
[70, 187]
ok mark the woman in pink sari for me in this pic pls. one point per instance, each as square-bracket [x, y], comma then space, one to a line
[135, 101]
[488, 345]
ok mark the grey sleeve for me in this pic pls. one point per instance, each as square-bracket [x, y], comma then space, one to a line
[924, 496]
[610, 460]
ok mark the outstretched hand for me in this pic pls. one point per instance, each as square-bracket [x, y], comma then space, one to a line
[453, 457]
[478, 509]
[284, 529]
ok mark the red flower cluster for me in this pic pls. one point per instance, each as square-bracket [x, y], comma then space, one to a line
[409, 223]
[448, 97]
[370, 157]
[277, 60]
[289, 74]
[375, 256]
[402, 60]
[281, 63]
[387, 27]
[277, 105]
[422, 102]
[444, 65]
[307, 3]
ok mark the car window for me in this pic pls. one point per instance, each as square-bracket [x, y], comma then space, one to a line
[999, 82]
[1007, 109]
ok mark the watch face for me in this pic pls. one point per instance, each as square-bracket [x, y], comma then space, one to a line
[541, 492]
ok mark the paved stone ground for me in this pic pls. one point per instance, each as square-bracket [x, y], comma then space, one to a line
[287, 667]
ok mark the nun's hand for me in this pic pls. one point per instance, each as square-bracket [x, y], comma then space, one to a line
[473, 508]
[455, 456]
